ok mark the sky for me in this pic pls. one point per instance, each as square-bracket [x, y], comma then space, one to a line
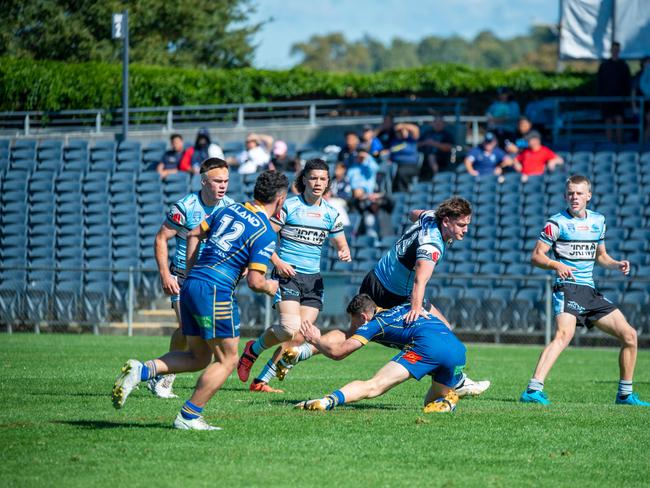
[297, 20]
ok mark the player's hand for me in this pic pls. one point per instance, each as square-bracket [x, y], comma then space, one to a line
[272, 287]
[415, 313]
[565, 272]
[344, 255]
[170, 285]
[310, 332]
[284, 269]
[624, 267]
[244, 273]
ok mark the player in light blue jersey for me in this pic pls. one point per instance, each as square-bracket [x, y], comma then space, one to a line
[239, 238]
[427, 346]
[184, 216]
[577, 238]
[305, 223]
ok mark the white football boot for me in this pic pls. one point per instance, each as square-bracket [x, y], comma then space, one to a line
[198, 423]
[161, 386]
[471, 387]
[126, 382]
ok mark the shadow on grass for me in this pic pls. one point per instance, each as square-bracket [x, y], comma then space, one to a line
[352, 406]
[103, 424]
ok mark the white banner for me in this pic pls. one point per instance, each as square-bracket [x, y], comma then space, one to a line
[632, 27]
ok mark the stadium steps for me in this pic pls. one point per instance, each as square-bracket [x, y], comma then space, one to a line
[140, 328]
[164, 316]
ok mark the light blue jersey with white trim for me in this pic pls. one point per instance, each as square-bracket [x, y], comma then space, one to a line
[422, 241]
[574, 242]
[303, 230]
[185, 215]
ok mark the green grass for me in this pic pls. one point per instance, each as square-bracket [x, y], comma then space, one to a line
[58, 428]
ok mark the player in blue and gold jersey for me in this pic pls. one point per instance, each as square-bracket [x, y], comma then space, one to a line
[427, 346]
[305, 223]
[184, 216]
[577, 238]
[238, 238]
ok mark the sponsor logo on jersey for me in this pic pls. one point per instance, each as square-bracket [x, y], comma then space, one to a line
[248, 217]
[177, 217]
[594, 228]
[435, 255]
[548, 231]
[575, 306]
[304, 234]
[314, 214]
[411, 357]
[571, 227]
[583, 227]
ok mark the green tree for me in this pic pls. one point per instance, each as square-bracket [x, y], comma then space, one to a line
[199, 33]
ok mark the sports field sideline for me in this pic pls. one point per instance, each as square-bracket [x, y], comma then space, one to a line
[58, 428]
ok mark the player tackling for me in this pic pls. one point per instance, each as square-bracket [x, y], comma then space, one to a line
[577, 238]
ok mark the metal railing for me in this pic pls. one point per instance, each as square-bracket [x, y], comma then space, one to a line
[35, 302]
[309, 112]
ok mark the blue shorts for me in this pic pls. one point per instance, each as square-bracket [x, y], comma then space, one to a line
[209, 310]
[435, 351]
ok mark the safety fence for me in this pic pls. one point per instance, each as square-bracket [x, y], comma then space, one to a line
[490, 308]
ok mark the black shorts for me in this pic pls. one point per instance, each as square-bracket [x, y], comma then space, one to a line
[307, 289]
[585, 303]
[180, 275]
[380, 295]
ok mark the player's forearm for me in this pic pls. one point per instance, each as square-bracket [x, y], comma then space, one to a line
[334, 351]
[543, 261]
[162, 255]
[606, 261]
[191, 251]
[438, 314]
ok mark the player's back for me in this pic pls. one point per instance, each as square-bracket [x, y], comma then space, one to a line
[232, 234]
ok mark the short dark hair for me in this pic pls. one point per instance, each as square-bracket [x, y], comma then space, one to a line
[361, 303]
[351, 133]
[311, 165]
[212, 163]
[268, 185]
[174, 136]
[453, 208]
[577, 179]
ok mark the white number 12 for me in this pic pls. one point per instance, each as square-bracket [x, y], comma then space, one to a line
[224, 239]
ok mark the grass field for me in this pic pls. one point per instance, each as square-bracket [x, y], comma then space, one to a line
[58, 428]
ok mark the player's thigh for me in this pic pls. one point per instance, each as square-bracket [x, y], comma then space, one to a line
[565, 326]
[289, 307]
[226, 350]
[177, 309]
[390, 375]
[308, 313]
[615, 323]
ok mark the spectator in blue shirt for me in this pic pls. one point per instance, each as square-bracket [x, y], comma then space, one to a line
[487, 158]
[374, 206]
[363, 173]
[404, 153]
[349, 152]
[370, 142]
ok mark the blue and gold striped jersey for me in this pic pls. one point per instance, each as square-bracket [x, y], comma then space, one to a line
[574, 242]
[185, 215]
[388, 328]
[304, 229]
[239, 236]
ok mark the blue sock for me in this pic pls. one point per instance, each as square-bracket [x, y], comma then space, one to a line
[624, 388]
[305, 352]
[535, 385]
[189, 411]
[338, 397]
[148, 371]
[258, 346]
[268, 372]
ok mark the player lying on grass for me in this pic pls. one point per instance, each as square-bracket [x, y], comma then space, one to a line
[401, 275]
[577, 237]
[427, 346]
[238, 238]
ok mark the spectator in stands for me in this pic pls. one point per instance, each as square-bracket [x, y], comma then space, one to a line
[280, 159]
[520, 143]
[370, 142]
[203, 149]
[435, 143]
[535, 158]
[348, 154]
[386, 131]
[340, 205]
[487, 158]
[641, 87]
[257, 155]
[340, 186]
[374, 207]
[404, 153]
[172, 158]
[614, 80]
[503, 114]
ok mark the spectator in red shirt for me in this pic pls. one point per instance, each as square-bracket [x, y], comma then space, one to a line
[535, 158]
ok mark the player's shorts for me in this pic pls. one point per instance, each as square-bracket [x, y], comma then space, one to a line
[381, 296]
[435, 351]
[209, 310]
[307, 289]
[585, 303]
[180, 276]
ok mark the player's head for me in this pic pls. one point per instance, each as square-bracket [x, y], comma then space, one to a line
[577, 193]
[214, 178]
[361, 310]
[453, 216]
[616, 49]
[176, 141]
[314, 179]
[271, 188]
[534, 140]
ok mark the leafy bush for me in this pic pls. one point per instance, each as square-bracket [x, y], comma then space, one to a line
[51, 85]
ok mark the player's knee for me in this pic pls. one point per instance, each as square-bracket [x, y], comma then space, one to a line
[374, 388]
[629, 337]
[563, 337]
[287, 328]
